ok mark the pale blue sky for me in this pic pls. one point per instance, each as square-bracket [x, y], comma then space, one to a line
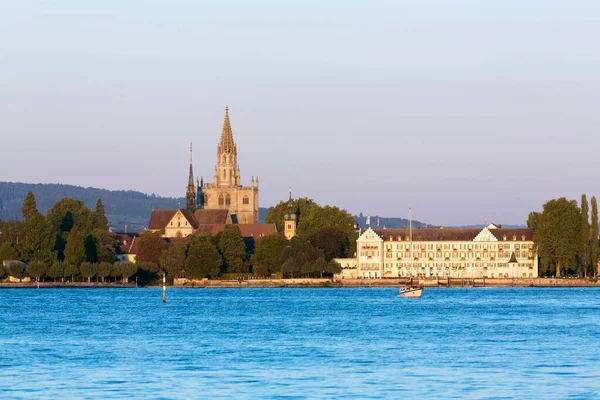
[460, 109]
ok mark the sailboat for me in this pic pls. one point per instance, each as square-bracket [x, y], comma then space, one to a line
[410, 291]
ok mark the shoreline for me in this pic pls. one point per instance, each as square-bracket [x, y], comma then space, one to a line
[323, 283]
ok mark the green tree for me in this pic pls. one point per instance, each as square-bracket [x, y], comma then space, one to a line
[332, 241]
[56, 271]
[275, 215]
[558, 235]
[88, 270]
[203, 261]
[75, 248]
[8, 252]
[69, 213]
[16, 269]
[38, 240]
[584, 251]
[2, 273]
[150, 248]
[268, 254]
[36, 269]
[594, 238]
[125, 270]
[172, 260]
[233, 248]
[71, 270]
[99, 220]
[104, 270]
[29, 208]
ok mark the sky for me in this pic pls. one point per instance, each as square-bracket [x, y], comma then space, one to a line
[461, 110]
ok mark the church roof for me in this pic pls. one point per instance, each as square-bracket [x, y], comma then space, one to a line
[247, 230]
[227, 145]
[160, 218]
[205, 216]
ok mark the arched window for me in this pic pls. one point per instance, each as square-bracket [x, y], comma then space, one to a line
[221, 200]
[224, 173]
[178, 224]
[246, 200]
[227, 200]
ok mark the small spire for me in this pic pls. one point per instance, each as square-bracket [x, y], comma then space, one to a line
[290, 193]
[190, 152]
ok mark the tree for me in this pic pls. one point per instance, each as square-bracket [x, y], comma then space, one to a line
[75, 248]
[203, 261]
[172, 260]
[558, 234]
[2, 273]
[104, 270]
[39, 240]
[125, 270]
[69, 213]
[594, 237]
[584, 250]
[150, 248]
[268, 254]
[16, 269]
[275, 215]
[36, 269]
[332, 241]
[233, 248]
[99, 220]
[56, 270]
[71, 270]
[29, 208]
[88, 270]
[8, 252]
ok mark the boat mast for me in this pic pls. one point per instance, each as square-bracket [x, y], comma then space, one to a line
[410, 240]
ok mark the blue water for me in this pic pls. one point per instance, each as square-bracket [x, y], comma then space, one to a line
[262, 343]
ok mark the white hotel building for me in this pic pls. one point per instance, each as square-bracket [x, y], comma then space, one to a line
[491, 252]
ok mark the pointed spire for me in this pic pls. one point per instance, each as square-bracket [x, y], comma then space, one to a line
[227, 144]
[190, 194]
[191, 177]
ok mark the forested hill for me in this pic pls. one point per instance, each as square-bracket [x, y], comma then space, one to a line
[123, 207]
[391, 223]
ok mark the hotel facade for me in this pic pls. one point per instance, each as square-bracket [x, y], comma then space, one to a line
[491, 252]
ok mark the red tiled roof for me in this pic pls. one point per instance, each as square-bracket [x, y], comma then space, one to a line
[128, 243]
[247, 230]
[209, 217]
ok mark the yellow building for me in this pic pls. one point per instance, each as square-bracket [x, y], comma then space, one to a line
[491, 252]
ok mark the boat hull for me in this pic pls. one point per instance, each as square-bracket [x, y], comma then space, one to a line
[411, 293]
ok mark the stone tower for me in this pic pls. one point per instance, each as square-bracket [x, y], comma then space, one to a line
[227, 191]
[289, 220]
[190, 195]
[227, 171]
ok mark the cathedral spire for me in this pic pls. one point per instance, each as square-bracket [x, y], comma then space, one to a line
[227, 145]
[190, 195]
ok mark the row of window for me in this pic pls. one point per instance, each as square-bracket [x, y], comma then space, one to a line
[226, 200]
[455, 265]
[461, 246]
[455, 254]
[504, 238]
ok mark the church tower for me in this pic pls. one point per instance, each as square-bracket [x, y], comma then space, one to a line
[289, 220]
[190, 195]
[227, 192]
[227, 171]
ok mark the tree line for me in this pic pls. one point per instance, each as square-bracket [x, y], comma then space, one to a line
[566, 237]
[73, 243]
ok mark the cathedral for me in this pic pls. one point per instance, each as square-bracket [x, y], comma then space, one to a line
[211, 206]
[226, 192]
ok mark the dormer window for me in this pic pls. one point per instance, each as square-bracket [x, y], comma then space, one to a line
[399, 238]
[523, 237]
[504, 238]
[514, 237]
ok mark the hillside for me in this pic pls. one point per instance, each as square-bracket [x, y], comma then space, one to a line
[123, 207]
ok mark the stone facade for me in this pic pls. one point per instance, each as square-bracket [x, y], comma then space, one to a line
[226, 192]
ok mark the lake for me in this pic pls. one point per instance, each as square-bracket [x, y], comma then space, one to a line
[296, 343]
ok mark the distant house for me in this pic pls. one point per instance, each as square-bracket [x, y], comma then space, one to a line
[127, 247]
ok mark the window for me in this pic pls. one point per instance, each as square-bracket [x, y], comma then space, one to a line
[221, 200]
[245, 200]
[178, 224]
[227, 200]
[289, 226]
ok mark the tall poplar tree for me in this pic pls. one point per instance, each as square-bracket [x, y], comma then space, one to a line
[39, 241]
[594, 245]
[29, 208]
[233, 248]
[584, 250]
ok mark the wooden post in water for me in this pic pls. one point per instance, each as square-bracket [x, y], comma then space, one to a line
[164, 288]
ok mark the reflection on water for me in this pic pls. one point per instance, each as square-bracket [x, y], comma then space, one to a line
[354, 343]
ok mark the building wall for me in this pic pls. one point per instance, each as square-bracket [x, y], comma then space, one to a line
[443, 259]
[179, 226]
[246, 213]
[349, 270]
